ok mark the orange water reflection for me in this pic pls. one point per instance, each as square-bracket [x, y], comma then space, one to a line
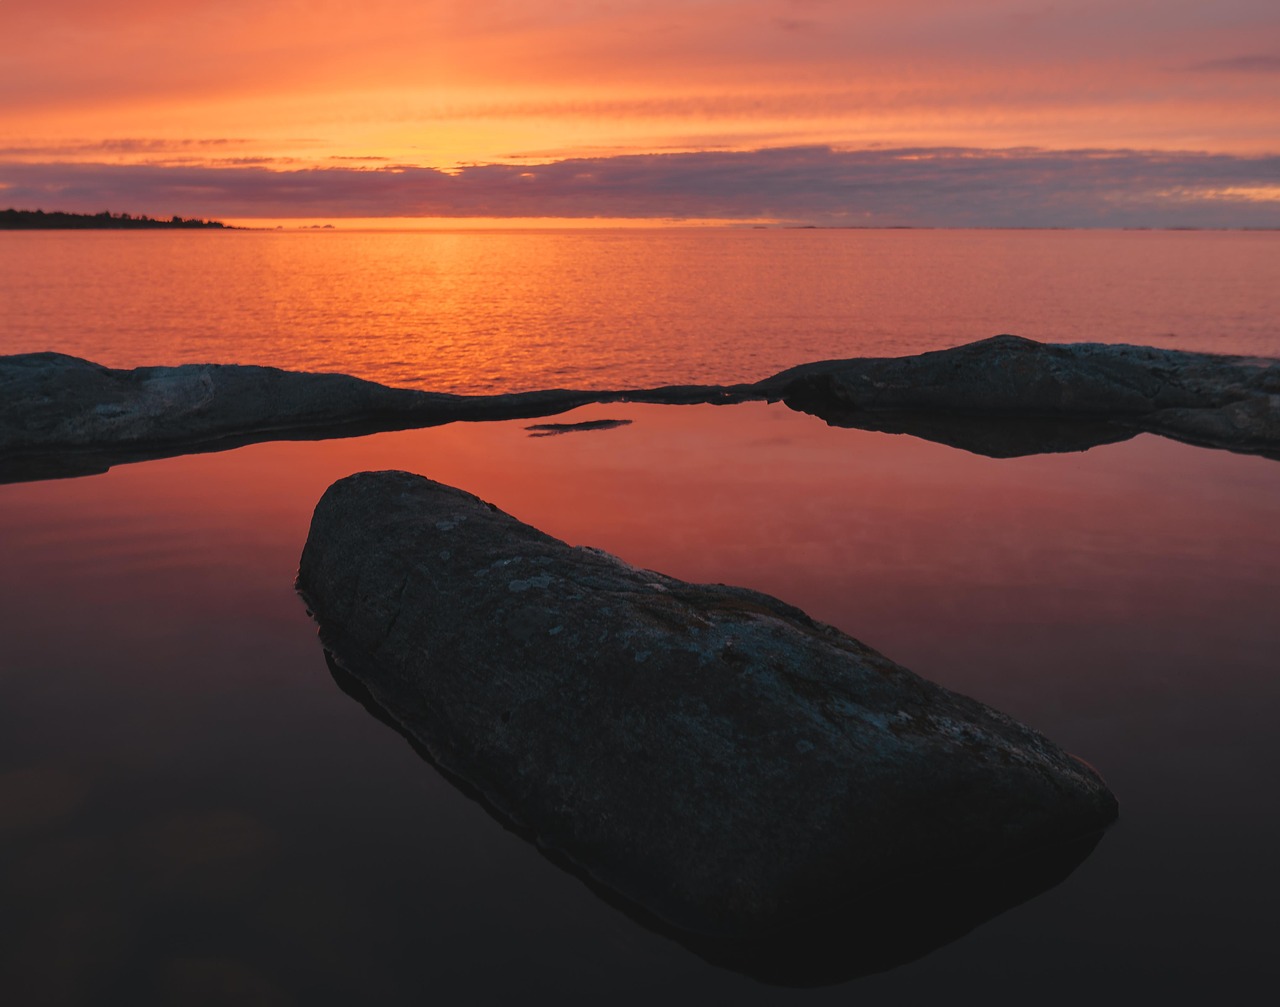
[483, 311]
[918, 549]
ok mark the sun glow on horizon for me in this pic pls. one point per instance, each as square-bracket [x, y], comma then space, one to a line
[448, 85]
[320, 224]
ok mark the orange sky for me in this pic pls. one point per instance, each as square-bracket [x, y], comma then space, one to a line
[443, 83]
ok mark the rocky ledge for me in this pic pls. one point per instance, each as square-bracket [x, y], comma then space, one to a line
[60, 415]
[1009, 396]
[708, 755]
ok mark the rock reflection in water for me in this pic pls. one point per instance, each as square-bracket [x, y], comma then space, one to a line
[897, 921]
[990, 436]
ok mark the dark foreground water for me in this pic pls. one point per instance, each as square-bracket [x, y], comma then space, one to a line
[191, 811]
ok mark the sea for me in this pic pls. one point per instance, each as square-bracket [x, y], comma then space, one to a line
[193, 811]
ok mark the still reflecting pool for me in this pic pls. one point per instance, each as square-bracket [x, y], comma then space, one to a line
[188, 804]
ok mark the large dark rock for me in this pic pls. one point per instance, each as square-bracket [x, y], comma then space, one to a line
[709, 753]
[1008, 395]
[63, 416]
[51, 400]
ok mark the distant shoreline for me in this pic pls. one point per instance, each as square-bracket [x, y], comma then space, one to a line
[38, 220]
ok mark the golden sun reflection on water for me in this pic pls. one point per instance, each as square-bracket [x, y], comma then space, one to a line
[482, 311]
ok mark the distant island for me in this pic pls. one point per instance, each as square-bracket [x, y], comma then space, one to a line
[38, 220]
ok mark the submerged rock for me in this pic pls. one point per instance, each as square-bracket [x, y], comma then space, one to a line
[559, 429]
[708, 754]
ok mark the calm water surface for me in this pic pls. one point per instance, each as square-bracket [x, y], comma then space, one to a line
[483, 311]
[191, 811]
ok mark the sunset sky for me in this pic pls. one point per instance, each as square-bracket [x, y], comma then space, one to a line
[925, 112]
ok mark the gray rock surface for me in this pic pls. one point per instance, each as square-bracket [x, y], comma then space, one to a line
[709, 753]
[1093, 393]
[63, 416]
[54, 400]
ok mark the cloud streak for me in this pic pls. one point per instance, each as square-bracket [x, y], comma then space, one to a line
[118, 145]
[1240, 64]
[907, 186]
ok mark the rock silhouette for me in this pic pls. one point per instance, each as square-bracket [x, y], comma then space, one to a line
[707, 754]
[1009, 395]
[1004, 396]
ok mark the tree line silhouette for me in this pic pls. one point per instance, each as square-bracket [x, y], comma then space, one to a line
[29, 220]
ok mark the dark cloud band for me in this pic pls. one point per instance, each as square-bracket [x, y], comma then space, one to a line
[918, 186]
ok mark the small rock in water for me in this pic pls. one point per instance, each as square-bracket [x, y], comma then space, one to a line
[556, 429]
